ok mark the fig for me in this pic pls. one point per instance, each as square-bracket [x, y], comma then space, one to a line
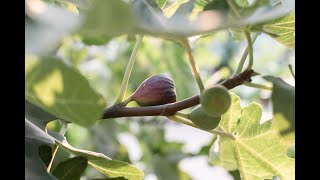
[202, 119]
[215, 100]
[155, 90]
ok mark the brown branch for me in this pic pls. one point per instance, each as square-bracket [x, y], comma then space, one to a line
[116, 111]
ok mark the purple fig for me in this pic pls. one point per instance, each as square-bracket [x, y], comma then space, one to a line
[156, 90]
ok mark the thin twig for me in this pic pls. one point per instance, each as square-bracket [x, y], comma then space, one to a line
[189, 123]
[63, 131]
[127, 74]
[250, 45]
[259, 86]
[244, 56]
[193, 65]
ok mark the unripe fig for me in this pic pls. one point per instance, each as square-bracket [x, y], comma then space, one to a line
[215, 100]
[203, 120]
[156, 90]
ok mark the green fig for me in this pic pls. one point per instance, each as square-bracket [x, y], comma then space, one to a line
[156, 90]
[202, 119]
[215, 100]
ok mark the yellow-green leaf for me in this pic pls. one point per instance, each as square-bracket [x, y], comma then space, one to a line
[284, 28]
[62, 91]
[256, 151]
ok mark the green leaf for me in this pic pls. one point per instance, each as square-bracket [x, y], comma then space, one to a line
[70, 169]
[104, 164]
[62, 91]
[37, 115]
[161, 3]
[229, 121]
[256, 151]
[243, 3]
[45, 26]
[284, 28]
[220, 5]
[45, 154]
[283, 100]
[237, 33]
[35, 137]
[235, 174]
[107, 18]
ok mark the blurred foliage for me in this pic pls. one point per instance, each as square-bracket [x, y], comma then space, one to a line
[102, 60]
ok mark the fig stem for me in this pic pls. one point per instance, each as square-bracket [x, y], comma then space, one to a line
[250, 45]
[62, 131]
[126, 101]
[244, 56]
[259, 86]
[189, 123]
[184, 115]
[193, 65]
[127, 73]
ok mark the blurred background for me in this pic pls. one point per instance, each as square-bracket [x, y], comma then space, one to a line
[163, 149]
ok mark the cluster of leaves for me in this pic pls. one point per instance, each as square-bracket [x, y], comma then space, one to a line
[57, 89]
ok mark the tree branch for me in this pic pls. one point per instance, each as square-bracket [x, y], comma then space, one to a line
[116, 111]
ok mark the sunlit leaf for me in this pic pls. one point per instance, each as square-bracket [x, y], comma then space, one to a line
[256, 151]
[62, 91]
[284, 30]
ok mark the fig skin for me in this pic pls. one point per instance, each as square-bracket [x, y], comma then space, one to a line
[155, 90]
[215, 100]
[203, 120]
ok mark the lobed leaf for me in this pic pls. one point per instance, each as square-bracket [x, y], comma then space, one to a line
[257, 151]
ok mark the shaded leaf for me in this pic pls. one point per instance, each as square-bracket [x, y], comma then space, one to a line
[284, 28]
[37, 115]
[45, 154]
[35, 137]
[283, 100]
[256, 151]
[235, 174]
[291, 151]
[104, 164]
[62, 91]
[220, 5]
[70, 169]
